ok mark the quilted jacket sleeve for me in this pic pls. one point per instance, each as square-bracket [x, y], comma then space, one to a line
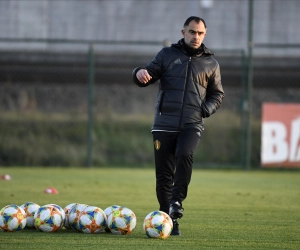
[154, 68]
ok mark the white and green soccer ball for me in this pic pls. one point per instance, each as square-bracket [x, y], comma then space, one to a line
[30, 208]
[121, 220]
[92, 220]
[12, 218]
[48, 218]
[158, 225]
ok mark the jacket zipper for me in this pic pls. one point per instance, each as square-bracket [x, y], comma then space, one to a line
[161, 102]
[186, 80]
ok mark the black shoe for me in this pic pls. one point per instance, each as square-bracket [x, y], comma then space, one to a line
[176, 210]
[175, 230]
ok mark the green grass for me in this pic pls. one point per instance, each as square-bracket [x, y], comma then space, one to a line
[224, 209]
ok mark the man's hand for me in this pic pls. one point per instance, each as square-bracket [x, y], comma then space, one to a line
[143, 76]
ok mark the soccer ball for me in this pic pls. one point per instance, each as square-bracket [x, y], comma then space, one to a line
[12, 218]
[60, 210]
[30, 208]
[92, 220]
[74, 215]
[158, 225]
[67, 211]
[48, 218]
[107, 212]
[121, 221]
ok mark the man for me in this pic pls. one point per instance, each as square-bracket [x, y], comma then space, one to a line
[190, 89]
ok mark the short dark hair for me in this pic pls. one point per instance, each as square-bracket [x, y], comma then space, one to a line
[194, 18]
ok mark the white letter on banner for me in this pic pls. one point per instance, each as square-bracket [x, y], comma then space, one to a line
[295, 141]
[274, 144]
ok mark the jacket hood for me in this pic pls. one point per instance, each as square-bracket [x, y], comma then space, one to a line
[180, 45]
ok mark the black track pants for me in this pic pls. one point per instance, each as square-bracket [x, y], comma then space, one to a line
[173, 153]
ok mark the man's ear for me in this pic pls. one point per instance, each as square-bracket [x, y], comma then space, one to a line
[182, 32]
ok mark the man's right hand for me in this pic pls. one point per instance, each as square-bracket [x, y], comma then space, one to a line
[143, 76]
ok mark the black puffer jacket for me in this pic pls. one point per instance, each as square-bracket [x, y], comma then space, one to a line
[190, 87]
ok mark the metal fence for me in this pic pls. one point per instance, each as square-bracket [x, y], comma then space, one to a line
[276, 78]
[79, 107]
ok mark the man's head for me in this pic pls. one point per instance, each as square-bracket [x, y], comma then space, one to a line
[194, 31]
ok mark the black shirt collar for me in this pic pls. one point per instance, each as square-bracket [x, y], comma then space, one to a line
[190, 50]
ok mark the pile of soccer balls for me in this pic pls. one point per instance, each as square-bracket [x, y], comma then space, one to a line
[82, 218]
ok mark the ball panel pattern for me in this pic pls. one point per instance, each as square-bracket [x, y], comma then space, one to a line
[74, 215]
[67, 210]
[12, 218]
[30, 208]
[121, 221]
[107, 212]
[158, 225]
[48, 218]
[92, 220]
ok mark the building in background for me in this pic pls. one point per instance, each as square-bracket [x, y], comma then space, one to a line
[275, 21]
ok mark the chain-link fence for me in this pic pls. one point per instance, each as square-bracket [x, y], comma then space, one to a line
[67, 108]
[71, 102]
[276, 79]
[43, 105]
[79, 107]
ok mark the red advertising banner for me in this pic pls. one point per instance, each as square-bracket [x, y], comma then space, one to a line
[280, 135]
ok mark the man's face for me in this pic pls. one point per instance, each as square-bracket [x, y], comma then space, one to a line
[194, 34]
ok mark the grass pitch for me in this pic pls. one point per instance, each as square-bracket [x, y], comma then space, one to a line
[224, 209]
